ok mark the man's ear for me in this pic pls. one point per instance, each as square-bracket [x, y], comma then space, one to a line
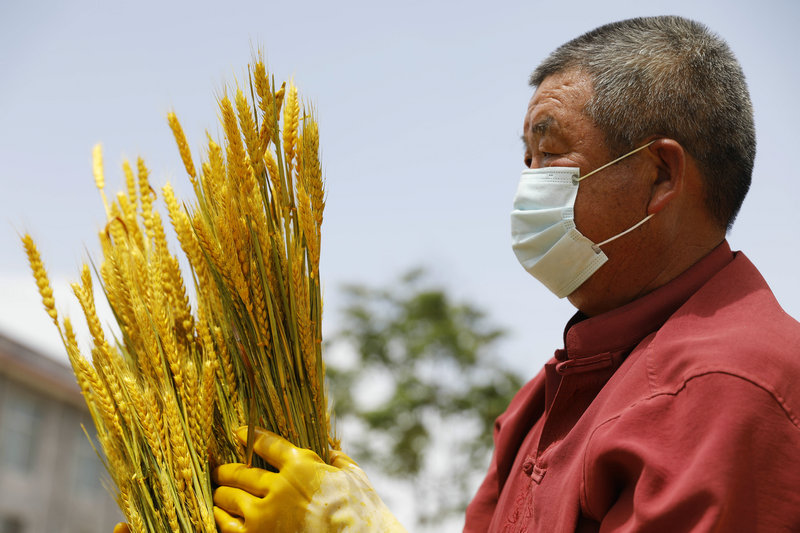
[670, 160]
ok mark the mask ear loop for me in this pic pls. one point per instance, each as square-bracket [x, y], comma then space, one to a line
[576, 179]
[596, 247]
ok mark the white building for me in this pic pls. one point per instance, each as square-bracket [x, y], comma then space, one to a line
[51, 480]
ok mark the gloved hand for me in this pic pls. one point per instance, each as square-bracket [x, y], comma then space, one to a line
[305, 495]
[122, 527]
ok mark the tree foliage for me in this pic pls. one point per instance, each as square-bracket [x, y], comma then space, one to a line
[424, 383]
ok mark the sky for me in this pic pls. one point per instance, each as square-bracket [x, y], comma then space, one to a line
[420, 107]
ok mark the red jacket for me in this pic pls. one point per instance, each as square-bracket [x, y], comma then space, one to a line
[677, 412]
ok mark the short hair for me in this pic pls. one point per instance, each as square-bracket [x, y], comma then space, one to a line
[669, 76]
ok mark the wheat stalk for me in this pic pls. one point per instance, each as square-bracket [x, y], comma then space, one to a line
[168, 390]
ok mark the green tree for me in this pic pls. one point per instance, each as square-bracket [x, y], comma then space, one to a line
[423, 386]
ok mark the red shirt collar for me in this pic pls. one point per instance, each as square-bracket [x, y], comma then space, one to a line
[621, 329]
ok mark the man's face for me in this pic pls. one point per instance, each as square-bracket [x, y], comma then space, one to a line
[558, 133]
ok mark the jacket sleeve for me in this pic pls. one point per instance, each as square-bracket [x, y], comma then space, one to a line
[720, 454]
[480, 511]
[510, 429]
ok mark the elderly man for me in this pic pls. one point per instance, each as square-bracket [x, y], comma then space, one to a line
[674, 404]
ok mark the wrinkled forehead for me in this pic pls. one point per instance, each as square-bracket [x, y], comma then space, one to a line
[568, 89]
[560, 99]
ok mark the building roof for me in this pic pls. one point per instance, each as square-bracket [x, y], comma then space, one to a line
[32, 368]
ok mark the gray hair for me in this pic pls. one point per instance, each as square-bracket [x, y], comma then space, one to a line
[672, 77]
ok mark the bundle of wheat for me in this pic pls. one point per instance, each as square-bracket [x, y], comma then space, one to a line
[168, 391]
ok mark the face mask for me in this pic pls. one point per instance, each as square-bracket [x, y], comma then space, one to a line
[543, 233]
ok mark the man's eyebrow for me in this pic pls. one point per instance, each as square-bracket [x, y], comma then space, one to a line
[542, 127]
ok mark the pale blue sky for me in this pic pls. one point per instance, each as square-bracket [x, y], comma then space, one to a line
[420, 106]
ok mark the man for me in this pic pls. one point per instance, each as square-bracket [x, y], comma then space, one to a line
[673, 405]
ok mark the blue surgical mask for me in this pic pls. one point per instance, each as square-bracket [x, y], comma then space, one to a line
[543, 233]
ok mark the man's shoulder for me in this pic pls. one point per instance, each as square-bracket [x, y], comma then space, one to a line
[735, 306]
[733, 325]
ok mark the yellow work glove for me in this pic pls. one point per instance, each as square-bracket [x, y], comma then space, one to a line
[305, 495]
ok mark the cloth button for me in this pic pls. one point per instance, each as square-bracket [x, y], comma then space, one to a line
[537, 473]
[528, 465]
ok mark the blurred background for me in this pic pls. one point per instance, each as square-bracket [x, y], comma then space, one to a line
[420, 107]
